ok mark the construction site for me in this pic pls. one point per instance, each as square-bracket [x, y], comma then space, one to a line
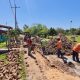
[39, 65]
[40, 40]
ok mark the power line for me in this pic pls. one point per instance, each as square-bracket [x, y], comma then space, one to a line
[14, 13]
[15, 7]
[11, 7]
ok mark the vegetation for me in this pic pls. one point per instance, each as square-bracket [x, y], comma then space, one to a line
[52, 32]
[78, 38]
[22, 71]
[44, 31]
[15, 32]
[3, 45]
[37, 29]
[2, 56]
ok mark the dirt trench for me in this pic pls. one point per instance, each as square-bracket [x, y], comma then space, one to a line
[40, 67]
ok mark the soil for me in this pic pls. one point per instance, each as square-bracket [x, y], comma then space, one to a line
[40, 67]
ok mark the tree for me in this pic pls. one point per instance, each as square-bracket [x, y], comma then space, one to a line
[43, 31]
[78, 31]
[39, 29]
[73, 31]
[26, 28]
[60, 30]
[15, 32]
[67, 32]
[52, 32]
[34, 30]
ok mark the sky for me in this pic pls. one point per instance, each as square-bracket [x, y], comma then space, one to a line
[52, 13]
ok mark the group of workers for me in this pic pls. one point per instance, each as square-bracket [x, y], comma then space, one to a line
[75, 50]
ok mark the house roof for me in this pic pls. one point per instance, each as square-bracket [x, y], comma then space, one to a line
[4, 26]
[2, 31]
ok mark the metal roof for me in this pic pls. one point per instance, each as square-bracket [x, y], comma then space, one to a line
[4, 26]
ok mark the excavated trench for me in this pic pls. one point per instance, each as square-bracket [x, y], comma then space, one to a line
[40, 67]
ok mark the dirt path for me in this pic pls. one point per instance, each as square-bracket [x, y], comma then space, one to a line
[41, 69]
[33, 69]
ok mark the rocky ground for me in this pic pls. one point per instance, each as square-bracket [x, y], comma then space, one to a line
[11, 67]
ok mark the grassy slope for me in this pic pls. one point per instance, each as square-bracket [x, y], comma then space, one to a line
[22, 71]
[3, 45]
[77, 38]
[2, 56]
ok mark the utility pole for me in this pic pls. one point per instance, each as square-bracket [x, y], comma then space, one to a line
[70, 24]
[15, 17]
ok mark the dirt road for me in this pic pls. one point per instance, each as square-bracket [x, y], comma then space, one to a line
[40, 67]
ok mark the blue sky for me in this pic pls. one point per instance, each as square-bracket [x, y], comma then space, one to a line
[52, 13]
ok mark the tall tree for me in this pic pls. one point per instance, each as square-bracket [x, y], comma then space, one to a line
[52, 32]
[39, 29]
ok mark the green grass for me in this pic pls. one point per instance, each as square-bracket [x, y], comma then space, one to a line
[2, 56]
[22, 72]
[77, 38]
[3, 45]
[69, 37]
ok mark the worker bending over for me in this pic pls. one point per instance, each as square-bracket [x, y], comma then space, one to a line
[76, 50]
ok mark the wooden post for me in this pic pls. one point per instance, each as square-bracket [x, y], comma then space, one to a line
[9, 43]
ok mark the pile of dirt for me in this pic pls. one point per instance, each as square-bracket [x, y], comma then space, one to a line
[9, 70]
[50, 46]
